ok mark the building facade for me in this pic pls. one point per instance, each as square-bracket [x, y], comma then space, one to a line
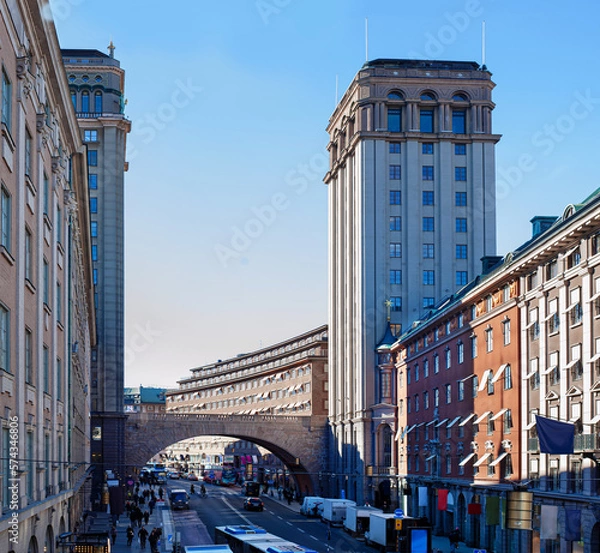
[287, 378]
[96, 87]
[411, 213]
[522, 340]
[47, 319]
[145, 399]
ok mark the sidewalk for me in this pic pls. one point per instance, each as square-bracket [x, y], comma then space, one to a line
[158, 519]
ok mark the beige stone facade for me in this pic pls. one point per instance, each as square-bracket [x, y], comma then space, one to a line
[46, 310]
[288, 378]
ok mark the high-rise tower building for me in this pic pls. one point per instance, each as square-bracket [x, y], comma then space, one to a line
[411, 215]
[96, 82]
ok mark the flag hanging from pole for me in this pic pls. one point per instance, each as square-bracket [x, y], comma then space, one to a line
[555, 437]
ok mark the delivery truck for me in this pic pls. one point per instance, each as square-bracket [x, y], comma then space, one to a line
[311, 506]
[357, 520]
[388, 532]
[334, 510]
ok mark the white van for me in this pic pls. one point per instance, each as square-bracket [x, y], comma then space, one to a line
[311, 506]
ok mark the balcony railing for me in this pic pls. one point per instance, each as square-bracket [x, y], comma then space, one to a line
[582, 442]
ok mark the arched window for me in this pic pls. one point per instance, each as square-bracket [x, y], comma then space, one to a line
[74, 99]
[428, 96]
[98, 102]
[385, 446]
[395, 95]
[460, 98]
[85, 102]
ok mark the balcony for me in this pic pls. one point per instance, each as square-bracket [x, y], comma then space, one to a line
[583, 442]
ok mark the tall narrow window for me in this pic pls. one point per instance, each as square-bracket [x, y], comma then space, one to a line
[46, 369]
[426, 120]
[85, 102]
[395, 197]
[46, 186]
[93, 205]
[394, 120]
[28, 357]
[58, 225]
[4, 339]
[94, 229]
[28, 255]
[28, 151]
[74, 99]
[58, 302]
[6, 101]
[5, 219]
[46, 283]
[395, 222]
[98, 102]
[58, 379]
[459, 122]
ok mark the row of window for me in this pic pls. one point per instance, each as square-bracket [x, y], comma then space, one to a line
[427, 148]
[29, 359]
[85, 101]
[428, 197]
[427, 173]
[427, 122]
[413, 465]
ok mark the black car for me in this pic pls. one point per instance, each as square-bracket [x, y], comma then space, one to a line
[253, 504]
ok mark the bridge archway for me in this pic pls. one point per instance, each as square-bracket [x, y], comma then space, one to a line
[300, 442]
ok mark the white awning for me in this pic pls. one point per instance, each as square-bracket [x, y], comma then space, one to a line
[574, 418]
[571, 307]
[466, 378]
[499, 372]
[487, 374]
[481, 460]
[530, 374]
[482, 417]
[572, 363]
[498, 459]
[453, 422]
[466, 459]
[595, 420]
[467, 419]
[399, 434]
[549, 316]
[594, 359]
[530, 425]
[499, 414]
[431, 457]
[430, 422]
[550, 369]
[441, 422]
[569, 252]
[595, 296]
[410, 428]
[529, 325]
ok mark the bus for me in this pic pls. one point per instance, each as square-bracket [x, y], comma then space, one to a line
[254, 539]
[228, 475]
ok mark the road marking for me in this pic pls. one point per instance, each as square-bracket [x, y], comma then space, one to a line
[303, 531]
[314, 538]
[246, 519]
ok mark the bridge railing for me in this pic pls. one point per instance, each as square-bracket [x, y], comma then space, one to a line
[218, 417]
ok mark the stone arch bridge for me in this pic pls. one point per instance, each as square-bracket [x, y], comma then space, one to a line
[300, 442]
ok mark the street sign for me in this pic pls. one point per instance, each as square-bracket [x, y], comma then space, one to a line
[399, 513]
[398, 524]
[170, 538]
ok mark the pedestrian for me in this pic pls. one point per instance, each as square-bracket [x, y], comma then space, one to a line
[113, 534]
[146, 517]
[161, 492]
[454, 538]
[153, 539]
[143, 534]
[130, 535]
[152, 504]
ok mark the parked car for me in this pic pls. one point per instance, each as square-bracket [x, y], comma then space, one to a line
[173, 475]
[179, 499]
[192, 476]
[253, 504]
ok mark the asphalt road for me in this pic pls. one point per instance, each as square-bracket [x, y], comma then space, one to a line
[224, 506]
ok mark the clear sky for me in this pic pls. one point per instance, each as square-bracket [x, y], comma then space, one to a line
[226, 211]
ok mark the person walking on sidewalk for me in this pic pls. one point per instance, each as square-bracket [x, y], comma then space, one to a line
[113, 534]
[143, 534]
[130, 535]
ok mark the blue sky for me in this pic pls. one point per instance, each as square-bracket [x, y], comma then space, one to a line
[226, 212]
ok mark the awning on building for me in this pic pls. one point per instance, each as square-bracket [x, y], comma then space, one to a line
[466, 459]
[467, 419]
[499, 414]
[481, 418]
[482, 460]
[498, 459]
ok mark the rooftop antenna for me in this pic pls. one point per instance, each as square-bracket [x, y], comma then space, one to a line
[366, 39]
[483, 67]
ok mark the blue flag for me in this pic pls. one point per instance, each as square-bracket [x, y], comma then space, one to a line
[572, 525]
[555, 437]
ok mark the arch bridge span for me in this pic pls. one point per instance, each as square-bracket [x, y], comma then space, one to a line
[300, 442]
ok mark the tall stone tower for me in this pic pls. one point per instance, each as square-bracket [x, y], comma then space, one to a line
[411, 214]
[96, 82]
